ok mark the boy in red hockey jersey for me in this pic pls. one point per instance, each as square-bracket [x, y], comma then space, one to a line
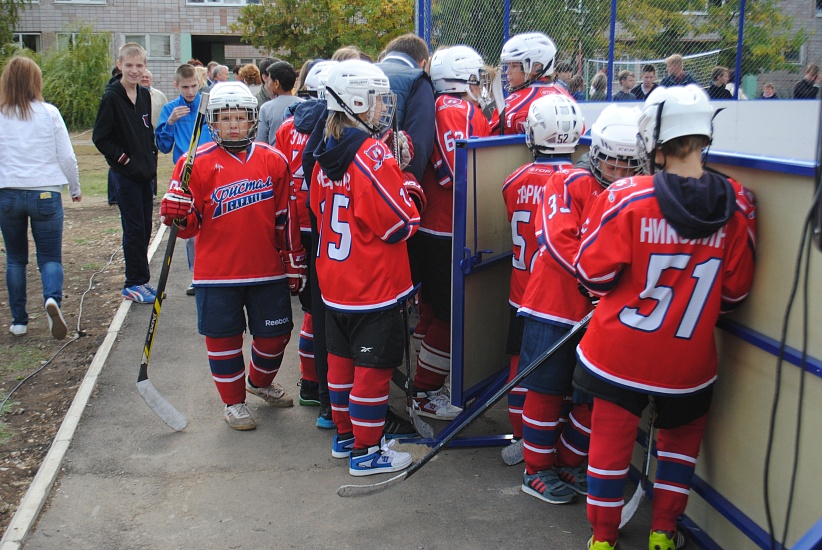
[365, 212]
[291, 138]
[459, 77]
[240, 207]
[667, 253]
[555, 117]
[555, 449]
[527, 63]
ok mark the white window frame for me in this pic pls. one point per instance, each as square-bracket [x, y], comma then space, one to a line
[145, 42]
[80, 1]
[17, 38]
[71, 37]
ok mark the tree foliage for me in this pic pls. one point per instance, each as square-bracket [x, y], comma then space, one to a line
[305, 29]
[9, 13]
[75, 77]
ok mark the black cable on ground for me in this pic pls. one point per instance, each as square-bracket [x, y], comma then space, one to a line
[80, 334]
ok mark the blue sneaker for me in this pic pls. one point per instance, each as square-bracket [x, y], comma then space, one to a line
[324, 419]
[342, 446]
[154, 290]
[377, 460]
[139, 294]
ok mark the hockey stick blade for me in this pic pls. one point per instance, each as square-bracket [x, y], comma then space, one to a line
[162, 408]
[363, 490]
[373, 489]
[496, 92]
[151, 396]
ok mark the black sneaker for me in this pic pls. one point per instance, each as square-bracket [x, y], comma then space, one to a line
[324, 419]
[397, 427]
[309, 393]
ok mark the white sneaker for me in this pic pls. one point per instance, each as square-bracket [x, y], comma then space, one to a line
[274, 394]
[377, 460]
[57, 325]
[436, 404]
[18, 330]
[239, 418]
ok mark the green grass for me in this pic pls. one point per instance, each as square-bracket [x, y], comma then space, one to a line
[19, 359]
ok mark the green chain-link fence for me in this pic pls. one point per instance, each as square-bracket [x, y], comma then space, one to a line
[705, 32]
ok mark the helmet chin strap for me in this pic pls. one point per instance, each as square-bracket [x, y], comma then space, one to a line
[351, 114]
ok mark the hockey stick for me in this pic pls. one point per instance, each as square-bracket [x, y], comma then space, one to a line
[499, 98]
[423, 428]
[158, 404]
[362, 490]
[632, 506]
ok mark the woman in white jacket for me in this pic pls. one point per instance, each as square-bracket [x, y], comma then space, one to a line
[37, 162]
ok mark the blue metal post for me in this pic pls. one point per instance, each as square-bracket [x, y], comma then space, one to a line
[506, 20]
[610, 74]
[740, 35]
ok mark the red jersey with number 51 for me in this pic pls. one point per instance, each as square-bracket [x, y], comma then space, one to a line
[455, 119]
[653, 330]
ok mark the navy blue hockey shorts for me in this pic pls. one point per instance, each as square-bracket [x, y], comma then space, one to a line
[515, 327]
[222, 310]
[375, 339]
[554, 376]
[672, 411]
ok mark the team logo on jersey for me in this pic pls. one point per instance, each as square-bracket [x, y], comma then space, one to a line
[240, 194]
[452, 102]
[378, 154]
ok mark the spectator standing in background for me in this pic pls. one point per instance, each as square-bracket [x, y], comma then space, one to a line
[280, 83]
[250, 76]
[576, 87]
[263, 95]
[808, 87]
[158, 98]
[644, 88]
[37, 160]
[719, 79]
[769, 91]
[563, 76]
[626, 81]
[677, 75]
[598, 85]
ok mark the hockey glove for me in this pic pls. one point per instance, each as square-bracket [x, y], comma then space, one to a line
[175, 207]
[296, 269]
[593, 298]
[415, 191]
[406, 147]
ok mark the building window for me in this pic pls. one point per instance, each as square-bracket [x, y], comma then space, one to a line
[79, 1]
[67, 40]
[819, 8]
[28, 40]
[157, 46]
[795, 55]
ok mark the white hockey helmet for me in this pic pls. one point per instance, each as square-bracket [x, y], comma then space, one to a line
[554, 125]
[455, 69]
[529, 49]
[312, 79]
[226, 98]
[356, 87]
[614, 151]
[673, 112]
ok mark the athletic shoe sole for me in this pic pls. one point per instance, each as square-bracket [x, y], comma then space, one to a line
[309, 402]
[58, 324]
[381, 470]
[550, 500]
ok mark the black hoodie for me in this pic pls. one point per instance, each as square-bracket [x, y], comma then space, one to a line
[695, 208]
[123, 127]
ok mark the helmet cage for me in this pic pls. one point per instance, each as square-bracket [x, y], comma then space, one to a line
[229, 99]
[379, 109]
[600, 159]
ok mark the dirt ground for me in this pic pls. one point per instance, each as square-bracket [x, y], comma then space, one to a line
[32, 416]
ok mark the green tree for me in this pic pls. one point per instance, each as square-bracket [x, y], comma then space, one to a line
[304, 29]
[9, 13]
[74, 77]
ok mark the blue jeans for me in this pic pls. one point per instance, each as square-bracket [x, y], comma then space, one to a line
[45, 210]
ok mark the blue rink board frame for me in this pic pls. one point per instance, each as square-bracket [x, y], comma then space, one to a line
[475, 263]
